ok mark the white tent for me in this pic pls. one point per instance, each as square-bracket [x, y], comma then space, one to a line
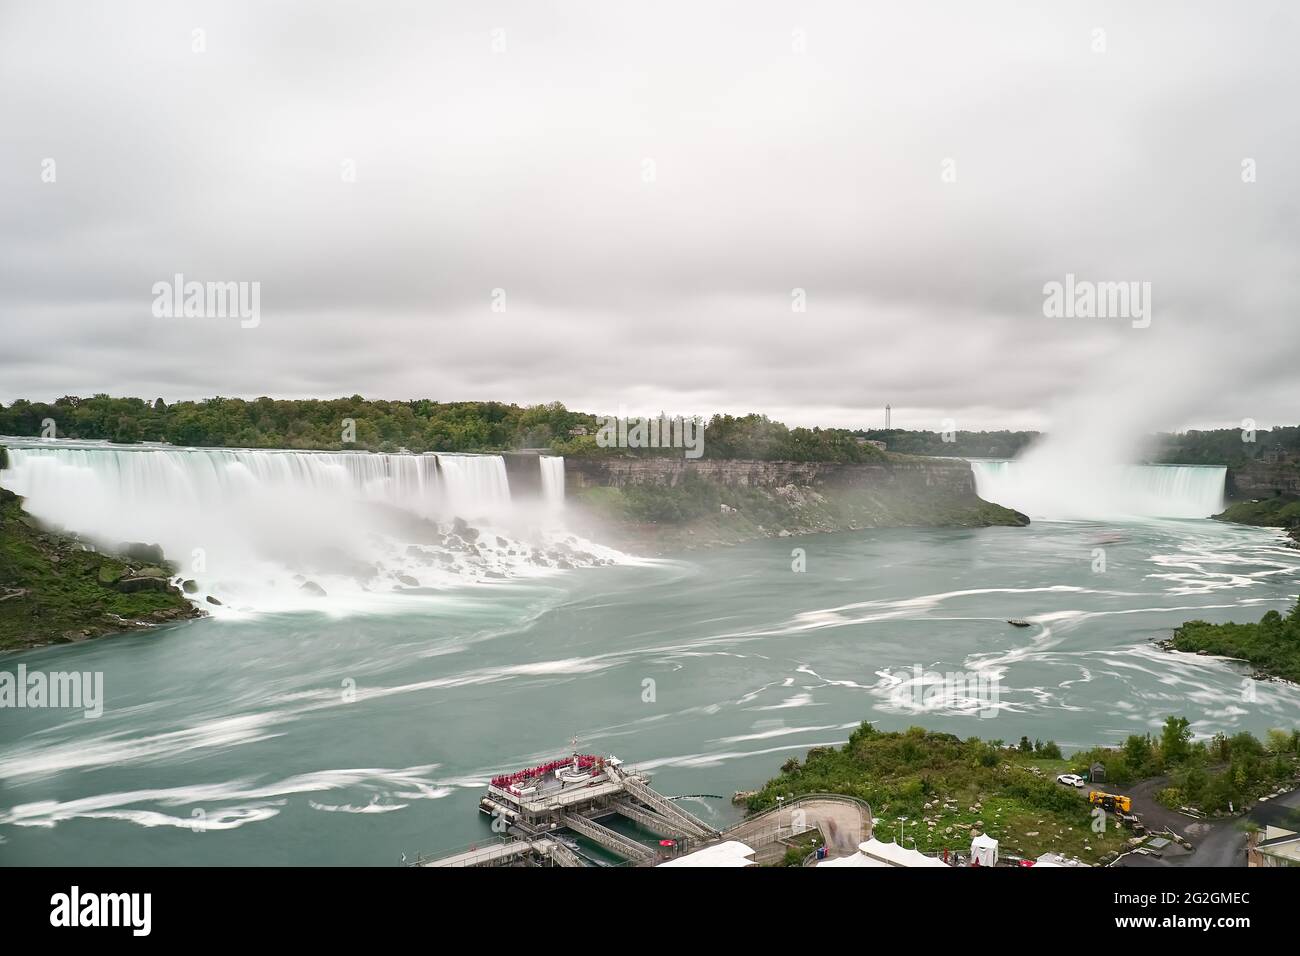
[856, 859]
[984, 850]
[895, 855]
[1055, 860]
[731, 853]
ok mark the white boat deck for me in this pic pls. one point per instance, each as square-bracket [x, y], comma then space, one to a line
[558, 799]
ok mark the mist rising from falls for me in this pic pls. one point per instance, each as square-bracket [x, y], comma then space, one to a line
[1063, 490]
[272, 530]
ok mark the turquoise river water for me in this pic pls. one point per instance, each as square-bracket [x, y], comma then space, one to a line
[301, 738]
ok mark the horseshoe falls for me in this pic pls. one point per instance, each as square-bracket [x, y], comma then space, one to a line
[1045, 491]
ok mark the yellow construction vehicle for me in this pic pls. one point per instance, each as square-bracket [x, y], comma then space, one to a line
[1112, 802]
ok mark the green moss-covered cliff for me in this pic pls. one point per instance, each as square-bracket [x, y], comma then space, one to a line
[53, 590]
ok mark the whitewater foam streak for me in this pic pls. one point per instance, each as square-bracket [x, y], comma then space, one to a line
[258, 801]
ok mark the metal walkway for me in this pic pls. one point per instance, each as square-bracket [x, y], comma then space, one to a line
[625, 847]
[654, 822]
[559, 854]
[690, 825]
[495, 855]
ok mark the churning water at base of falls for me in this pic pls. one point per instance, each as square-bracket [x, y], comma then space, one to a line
[274, 530]
[1065, 490]
[304, 739]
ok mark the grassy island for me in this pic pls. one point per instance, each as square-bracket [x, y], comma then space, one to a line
[1272, 646]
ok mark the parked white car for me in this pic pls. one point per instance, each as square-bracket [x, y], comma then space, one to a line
[1070, 780]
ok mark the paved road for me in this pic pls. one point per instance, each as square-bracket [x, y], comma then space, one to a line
[1214, 842]
[843, 824]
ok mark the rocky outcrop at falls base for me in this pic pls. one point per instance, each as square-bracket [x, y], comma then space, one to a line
[55, 589]
[673, 503]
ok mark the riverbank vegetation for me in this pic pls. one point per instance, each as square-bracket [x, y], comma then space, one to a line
[1280, 511]
[1212, 776]
[1272, 645]
[945, 789]
[53, 590]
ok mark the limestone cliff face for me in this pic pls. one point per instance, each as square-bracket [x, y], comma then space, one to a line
[1265, 478]
[955, 477]
[669, 503]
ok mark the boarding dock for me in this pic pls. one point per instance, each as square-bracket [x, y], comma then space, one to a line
[542, 815]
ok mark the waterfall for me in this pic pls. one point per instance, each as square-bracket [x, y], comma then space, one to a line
[271, 529]
[475, 485]
[1104, 492]
[552, 481]
[86, 480]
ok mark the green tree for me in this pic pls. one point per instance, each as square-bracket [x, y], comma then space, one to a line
[1174, 738]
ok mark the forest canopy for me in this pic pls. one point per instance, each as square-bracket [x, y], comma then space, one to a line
[420, 425]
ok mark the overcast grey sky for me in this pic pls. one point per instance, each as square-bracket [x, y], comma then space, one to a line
[792, 145]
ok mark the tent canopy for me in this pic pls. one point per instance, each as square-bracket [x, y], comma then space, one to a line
[984, 850]
[731, 853]
[896, 855]
[855, 859]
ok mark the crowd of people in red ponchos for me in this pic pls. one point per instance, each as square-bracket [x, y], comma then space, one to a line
[509, 780]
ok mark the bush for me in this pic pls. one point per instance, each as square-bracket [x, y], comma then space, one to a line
[1170, 797]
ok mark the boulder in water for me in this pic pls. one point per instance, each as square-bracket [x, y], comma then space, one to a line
[211, 600]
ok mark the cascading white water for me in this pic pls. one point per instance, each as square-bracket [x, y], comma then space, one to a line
[552, 481]
[475, 484]
[1105, 492]
[273, 529]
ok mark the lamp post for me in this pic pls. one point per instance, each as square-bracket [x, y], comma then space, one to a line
[901, 821]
